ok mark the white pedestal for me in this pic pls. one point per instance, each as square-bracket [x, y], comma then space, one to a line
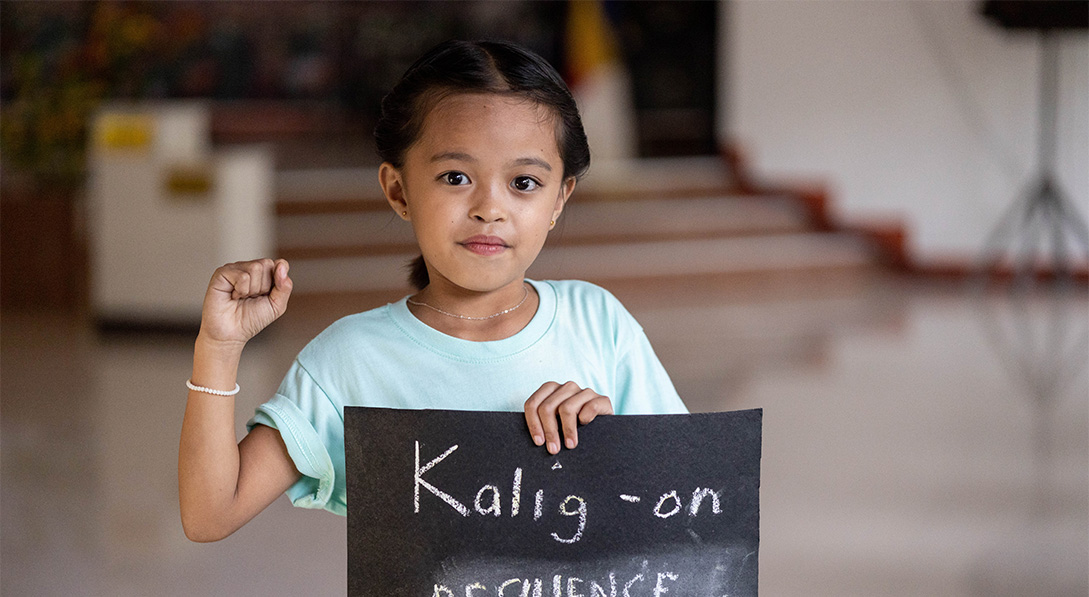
[165, 211]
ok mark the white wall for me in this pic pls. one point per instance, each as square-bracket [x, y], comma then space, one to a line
[921, 110]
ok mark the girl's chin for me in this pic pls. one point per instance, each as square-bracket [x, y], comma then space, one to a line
[477, 283]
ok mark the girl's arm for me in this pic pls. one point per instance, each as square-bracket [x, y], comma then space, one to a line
[221, 484]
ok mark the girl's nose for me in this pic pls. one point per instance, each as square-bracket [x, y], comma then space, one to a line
[488, 206]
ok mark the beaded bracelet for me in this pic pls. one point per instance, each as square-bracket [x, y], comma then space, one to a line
[189, 384]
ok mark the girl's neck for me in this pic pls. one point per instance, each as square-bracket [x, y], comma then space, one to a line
[477, 316]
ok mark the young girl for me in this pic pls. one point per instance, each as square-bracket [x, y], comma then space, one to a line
[482, 145]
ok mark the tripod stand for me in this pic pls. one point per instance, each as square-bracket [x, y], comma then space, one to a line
[1045, 210]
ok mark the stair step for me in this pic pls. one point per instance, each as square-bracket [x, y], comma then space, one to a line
[322, 190]
[314, 235]
[724, 215]
[650, 218]
[601, 262]
[346, 190]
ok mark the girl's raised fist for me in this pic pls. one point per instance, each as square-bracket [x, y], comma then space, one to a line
[243, 298]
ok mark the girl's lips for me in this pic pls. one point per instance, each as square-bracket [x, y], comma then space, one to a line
[485, 245]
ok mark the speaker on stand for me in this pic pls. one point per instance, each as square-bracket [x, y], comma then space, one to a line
[1045, 215]
[1041, 339]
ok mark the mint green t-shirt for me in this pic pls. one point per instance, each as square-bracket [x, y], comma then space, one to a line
[387, 358]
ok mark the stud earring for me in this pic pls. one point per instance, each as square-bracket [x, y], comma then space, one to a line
[552, 223]
[404, 214]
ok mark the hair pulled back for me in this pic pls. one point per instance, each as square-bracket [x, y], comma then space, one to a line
[495, 67]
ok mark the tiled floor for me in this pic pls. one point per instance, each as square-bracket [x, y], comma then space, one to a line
[918, 440]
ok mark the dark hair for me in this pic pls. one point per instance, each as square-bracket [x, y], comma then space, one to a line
[495, 67]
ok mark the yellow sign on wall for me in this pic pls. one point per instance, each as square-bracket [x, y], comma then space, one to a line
[125, 131]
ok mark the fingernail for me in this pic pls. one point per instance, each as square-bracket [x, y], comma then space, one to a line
[570, 443]
[553, 448]
[538, 439]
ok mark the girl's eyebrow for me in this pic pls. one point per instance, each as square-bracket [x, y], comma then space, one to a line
[464, 157]
[452, 155]
[532, 162]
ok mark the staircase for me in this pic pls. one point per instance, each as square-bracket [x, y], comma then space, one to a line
[728, 284]
[654, 219]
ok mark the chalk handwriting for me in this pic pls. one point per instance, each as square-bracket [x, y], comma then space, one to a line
[488, 500]
[516, 493]
[638, 585]
[581, 512]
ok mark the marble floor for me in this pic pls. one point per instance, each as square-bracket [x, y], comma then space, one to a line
[919, 439]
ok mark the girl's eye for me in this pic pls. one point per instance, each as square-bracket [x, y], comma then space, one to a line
[455, 178]
[525, 183]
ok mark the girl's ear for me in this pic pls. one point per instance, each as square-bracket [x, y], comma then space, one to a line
[393, 186]
[561, 200]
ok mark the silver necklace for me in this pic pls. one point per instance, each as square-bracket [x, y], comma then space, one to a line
[492, 316]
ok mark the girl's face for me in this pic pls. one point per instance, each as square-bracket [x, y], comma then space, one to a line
[481, 186]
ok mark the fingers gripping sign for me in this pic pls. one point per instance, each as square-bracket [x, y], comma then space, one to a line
[555, 406]
[243, 298]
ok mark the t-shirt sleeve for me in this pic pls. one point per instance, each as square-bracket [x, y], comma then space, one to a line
[643, 386]
[312, 428]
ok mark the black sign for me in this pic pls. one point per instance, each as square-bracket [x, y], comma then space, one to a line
[462, 504]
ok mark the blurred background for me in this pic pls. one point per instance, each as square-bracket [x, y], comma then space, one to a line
[866, 218]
